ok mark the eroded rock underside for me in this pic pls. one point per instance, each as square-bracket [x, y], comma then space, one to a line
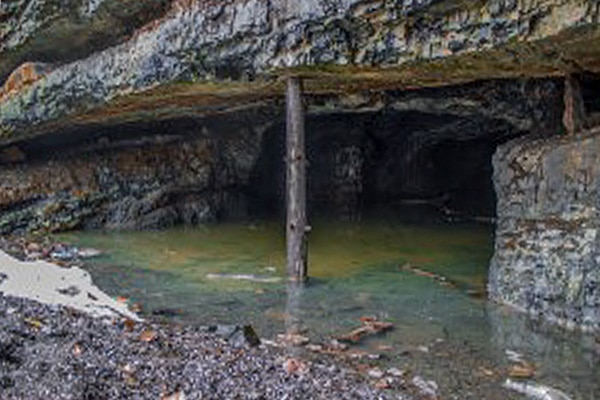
[147, 114]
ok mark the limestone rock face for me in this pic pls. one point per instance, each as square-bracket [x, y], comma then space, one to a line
[25, 75]
[95, 74]
[65, 30]
[547, 241]
[141, 183]
[242, 40]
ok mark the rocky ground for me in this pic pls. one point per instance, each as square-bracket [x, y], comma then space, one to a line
[49, 352]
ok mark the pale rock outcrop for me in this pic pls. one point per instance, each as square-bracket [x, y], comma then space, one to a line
[547, 246]
[50, 284]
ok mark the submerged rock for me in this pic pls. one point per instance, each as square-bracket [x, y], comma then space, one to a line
[246, 277]
[236, 336]
[535, 391]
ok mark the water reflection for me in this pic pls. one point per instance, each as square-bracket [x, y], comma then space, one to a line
[292, 314]
[559, 362]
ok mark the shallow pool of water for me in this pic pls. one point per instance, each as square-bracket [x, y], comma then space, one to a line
[368, 268]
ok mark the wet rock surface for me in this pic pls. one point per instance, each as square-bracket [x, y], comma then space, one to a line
[50, 352]
[546, 252]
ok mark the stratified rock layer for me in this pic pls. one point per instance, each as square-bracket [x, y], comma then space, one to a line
[367, 43]
[547, 243]
[197, 58]
[141, 183]
[65, 30]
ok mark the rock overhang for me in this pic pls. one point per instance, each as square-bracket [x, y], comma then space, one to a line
[66, 30]
[206, 57]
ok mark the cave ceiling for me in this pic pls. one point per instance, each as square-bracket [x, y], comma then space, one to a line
[201, 58]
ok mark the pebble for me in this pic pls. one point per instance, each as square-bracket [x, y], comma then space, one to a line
[175, 396]
[522, 370]
[88, 253]
[395, 372]
[384, 383]
[376, 373]
[75, 356]
[293, 339]
[427, 388]
[423, 349]
[295, 366]
[514, 356]
[314, 347]
[34, 247]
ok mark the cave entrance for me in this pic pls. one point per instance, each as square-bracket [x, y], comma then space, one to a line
[432, 152]
[362, 164]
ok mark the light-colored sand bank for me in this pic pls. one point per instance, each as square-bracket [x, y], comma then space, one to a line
[52, 284]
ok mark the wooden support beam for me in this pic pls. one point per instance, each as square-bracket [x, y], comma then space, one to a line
[296, 225]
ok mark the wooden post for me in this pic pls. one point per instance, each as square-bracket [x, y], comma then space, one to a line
[296, 225]
[574, 114]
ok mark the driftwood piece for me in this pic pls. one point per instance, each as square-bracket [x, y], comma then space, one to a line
[370, 326]
[442, 280]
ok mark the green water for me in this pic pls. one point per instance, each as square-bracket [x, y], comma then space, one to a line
[440, 331]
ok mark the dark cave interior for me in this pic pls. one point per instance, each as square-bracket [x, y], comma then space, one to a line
[366, 161]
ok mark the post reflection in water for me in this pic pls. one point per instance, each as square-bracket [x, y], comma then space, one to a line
[293, 322]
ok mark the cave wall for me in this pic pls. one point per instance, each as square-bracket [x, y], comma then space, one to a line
[103, 63]
[547, 245]
[422, 146]
[418, 146]
[185, 172]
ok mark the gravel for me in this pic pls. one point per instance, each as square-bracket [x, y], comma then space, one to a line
[53, 352]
